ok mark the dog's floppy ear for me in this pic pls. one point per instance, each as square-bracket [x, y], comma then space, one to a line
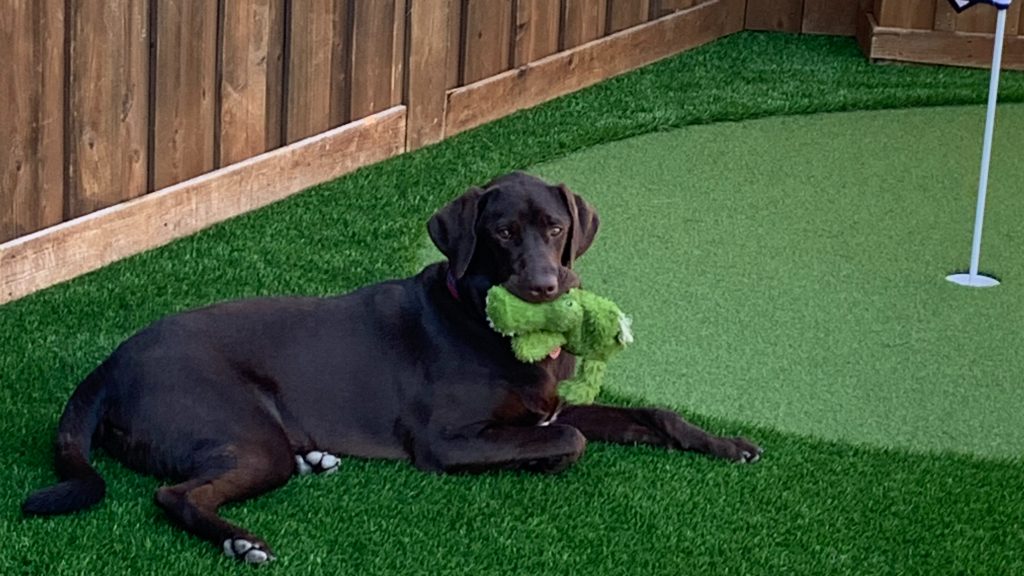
[584, 226]
[453, 230]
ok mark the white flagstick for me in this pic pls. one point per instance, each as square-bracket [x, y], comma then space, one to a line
[973, 278]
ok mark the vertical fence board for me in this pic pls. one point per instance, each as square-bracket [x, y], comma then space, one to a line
[340, 82]
[917, 14]
[308, 93]
[830, 17]
[945, 16]
[583, 21]
[373, 46]
[398, 53]
[455, 45]
[32, 117]
[537, 25]
[624, 14]
[185, 98]
[274, 129]
[487, 42]
[108, 104]
[243, 84]
[1013, 19]
[429, 48]
[780, 15]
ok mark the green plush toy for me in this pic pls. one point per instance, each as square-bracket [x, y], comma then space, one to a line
[582, 323]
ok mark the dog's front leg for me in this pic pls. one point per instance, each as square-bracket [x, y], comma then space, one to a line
[502, 447]
[656, 427]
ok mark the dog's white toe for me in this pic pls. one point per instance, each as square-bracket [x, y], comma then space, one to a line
[242, 546]
[245, 551]
[256, 556]
[302, 466]
[317, 461]
[314, 457]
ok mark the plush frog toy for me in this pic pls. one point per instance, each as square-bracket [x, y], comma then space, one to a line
[582, 323]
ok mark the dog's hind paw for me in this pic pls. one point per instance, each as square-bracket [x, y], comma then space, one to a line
[316, 462]
[247, 551]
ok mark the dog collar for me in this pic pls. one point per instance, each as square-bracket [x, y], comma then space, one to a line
[453, 288]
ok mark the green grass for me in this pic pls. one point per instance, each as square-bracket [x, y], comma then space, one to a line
[811, 507]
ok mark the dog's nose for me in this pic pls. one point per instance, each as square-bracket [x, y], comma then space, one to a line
[544, 287]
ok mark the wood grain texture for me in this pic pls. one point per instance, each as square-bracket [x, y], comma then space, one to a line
[108, 104]
[373, 45]
[312, 70]
[834, 17]
[915, 14]
[244, 79]
[185, 98]
[73, 248]
[428, 53]
[661, 8]
[32, 116]
[537, 27]
[938, 47]
[624, 14]
[980, 19]
[534, 83]
[487, 41]
[777, 15]
[583, 21]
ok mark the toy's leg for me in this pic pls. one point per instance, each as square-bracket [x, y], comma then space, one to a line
[656, 427]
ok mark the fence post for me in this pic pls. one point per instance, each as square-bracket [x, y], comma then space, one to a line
[427, 80]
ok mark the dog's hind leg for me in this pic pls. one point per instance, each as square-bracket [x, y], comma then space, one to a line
[236, 473]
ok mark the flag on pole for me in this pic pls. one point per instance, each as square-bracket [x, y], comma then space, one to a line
[961, 5]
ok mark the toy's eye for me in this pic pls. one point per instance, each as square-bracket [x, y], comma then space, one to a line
[555, 230]
[504, 233]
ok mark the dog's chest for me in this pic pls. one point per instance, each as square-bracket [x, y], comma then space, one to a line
[537, 403]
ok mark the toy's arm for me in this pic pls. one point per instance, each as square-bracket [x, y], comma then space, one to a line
[510, 315]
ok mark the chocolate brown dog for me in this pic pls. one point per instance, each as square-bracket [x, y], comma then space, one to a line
[233, 399]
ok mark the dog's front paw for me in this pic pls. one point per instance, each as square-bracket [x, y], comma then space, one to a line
[737, 449]
[247, 550]
[316, 462]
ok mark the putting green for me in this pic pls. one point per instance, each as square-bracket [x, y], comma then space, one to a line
[790, 272]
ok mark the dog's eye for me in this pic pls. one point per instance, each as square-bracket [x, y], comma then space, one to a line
[555, 230]
[504, 233]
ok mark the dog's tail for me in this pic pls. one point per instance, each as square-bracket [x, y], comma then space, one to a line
[81, 486]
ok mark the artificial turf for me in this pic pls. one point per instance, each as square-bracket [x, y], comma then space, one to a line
[811, 507]
[791, 271]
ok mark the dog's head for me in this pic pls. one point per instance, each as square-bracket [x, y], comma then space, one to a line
[519, 232]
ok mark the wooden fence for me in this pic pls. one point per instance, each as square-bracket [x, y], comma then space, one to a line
[930, 31]
[129, 123]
